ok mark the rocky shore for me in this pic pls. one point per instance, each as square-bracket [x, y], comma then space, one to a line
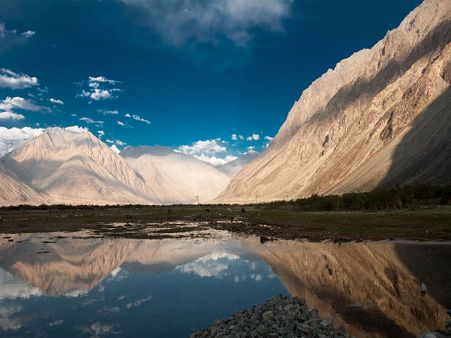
[278, 317]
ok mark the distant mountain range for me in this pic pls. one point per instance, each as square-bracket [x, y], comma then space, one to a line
[73, 167]
[382, 117]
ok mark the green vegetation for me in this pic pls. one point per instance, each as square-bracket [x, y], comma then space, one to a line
[410, 197]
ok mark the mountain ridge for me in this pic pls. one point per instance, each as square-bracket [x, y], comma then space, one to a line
[361, 109]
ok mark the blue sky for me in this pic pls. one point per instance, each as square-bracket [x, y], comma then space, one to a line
[174, 72]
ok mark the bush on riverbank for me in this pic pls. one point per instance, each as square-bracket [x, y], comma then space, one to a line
[378, 199]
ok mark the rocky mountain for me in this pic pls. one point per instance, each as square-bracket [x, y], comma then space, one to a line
[234, 167]
[175, 177]
[13, 191]
[381, 117]
[76, 168]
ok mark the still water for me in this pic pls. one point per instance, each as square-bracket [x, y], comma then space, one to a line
[62, 285]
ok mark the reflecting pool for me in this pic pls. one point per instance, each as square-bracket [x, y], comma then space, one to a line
[73, 285]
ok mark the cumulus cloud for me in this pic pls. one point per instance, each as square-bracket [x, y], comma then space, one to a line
[12, 80]
[56, 101]
[114, 144]
[211, 265]
[208, 151]
[99, 329]
[91, 121]
[17, 102]
[77, 129]
[100, 88]
[114, 148]
[253, 137]
[109, 112]
[9, 115]
[180, 21]
[269, 138]
[234, 137]
[138, 302]
[137, 118]
[10, 138]
[28, 34]
[13, 288]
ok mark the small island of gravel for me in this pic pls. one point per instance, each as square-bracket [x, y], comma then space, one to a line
[279, 317]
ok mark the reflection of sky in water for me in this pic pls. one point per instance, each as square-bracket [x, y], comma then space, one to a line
[170, 288]
[136, 301]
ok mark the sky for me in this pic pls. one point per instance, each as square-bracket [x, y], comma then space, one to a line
[212, 78]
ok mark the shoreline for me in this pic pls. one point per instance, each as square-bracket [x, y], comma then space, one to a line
[424, 224]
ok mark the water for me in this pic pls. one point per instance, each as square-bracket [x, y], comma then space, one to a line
[63, 285]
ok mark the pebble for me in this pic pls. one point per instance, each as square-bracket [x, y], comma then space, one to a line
[279, 317]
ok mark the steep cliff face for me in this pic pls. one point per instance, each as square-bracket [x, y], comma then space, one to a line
[381, 117]
[73, 167]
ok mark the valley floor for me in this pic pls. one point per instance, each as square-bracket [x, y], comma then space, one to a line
[425, 223]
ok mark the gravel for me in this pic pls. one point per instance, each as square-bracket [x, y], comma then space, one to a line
[278, 317]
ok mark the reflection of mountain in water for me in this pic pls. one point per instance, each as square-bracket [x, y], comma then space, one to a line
[364, 284]
[372, 289]
[70, 265]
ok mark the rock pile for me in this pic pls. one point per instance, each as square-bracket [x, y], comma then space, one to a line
[278, 317]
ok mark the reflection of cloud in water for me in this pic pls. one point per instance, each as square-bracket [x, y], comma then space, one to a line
[210, 265]
[98, 329]
[12, 288]
[8, 317]
[137, 303]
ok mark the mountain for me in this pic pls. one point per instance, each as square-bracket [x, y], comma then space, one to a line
[234, 167]
[76, 168]
[381, 117]
[175, 177]
[13, 191]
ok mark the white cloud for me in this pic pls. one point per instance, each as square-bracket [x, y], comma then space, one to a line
[208, 151]
[14, 288]
[8, 115]
[207, 147]
[139, 302]
[9, 318]
[211, 265]
[28, 34]
[115, 149]
[100, 133]
[269, 138]
[100, 88]
[116, 142]
[18, 103]
[109, 112]
[77, 129]
[215, 161]
[253, 137]
[99, 329]
[91, 121]
[137, 118]
[234, 137]
[207, 21]
[120, 123]
[56, 101]
[12, 80]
